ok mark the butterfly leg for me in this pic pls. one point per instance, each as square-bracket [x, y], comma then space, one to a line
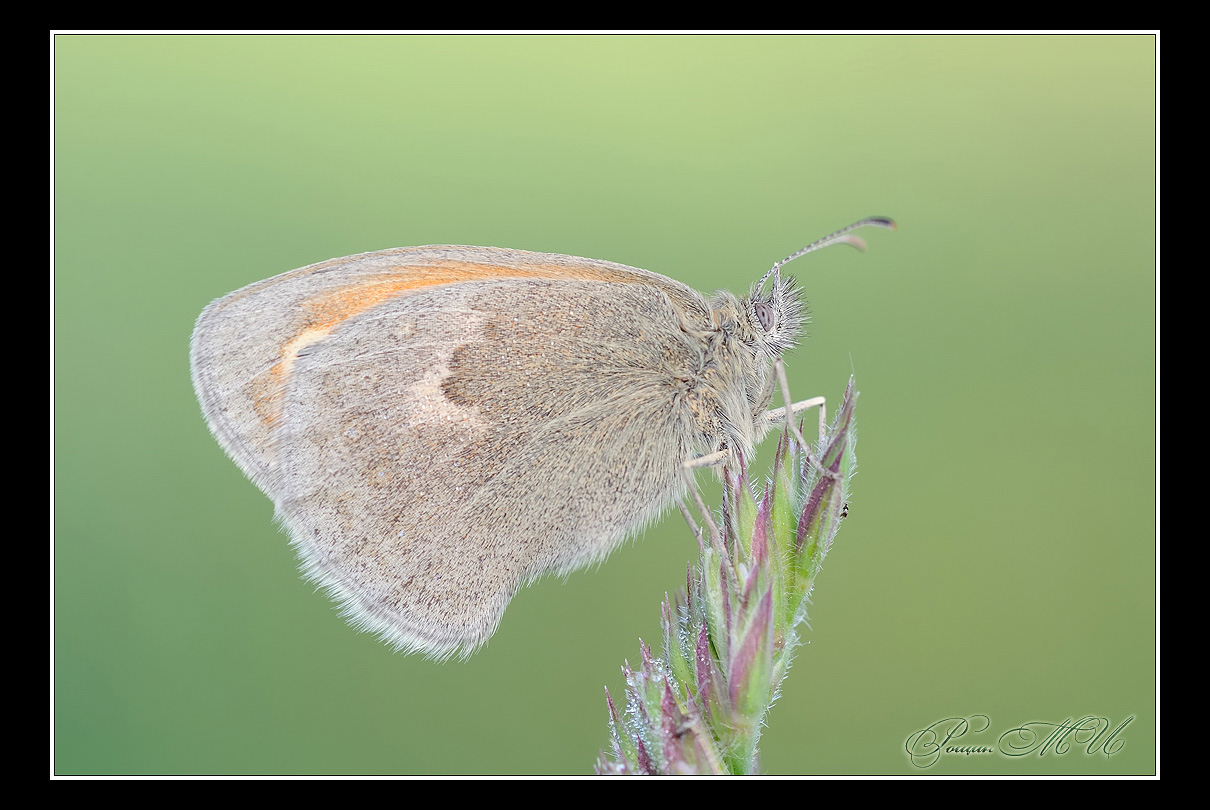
[795, 408]
[792, 409]
[687, 468]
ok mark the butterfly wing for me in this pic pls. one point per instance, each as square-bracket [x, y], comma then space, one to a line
[437, 426]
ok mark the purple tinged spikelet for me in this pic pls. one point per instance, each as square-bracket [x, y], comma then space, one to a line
[729, 640]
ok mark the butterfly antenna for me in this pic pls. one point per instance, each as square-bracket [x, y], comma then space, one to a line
[839, 237]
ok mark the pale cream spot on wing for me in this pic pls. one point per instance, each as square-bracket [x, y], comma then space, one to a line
[432, 405]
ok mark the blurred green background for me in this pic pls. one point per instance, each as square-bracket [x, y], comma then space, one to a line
[1000, 554]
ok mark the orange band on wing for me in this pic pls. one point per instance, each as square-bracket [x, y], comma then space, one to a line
[325, 312]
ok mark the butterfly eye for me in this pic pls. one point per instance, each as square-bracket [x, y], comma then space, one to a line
[766, 314]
